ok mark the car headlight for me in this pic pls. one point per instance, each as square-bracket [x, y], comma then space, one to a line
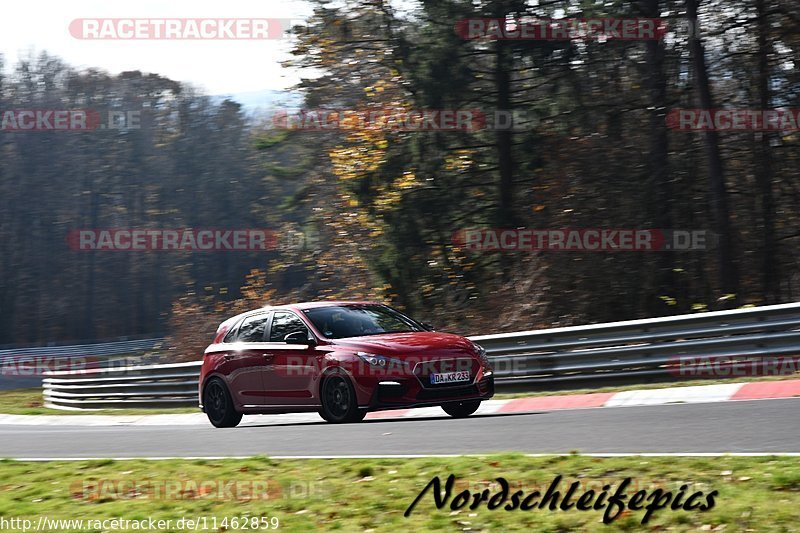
[482, 355]
[380, 361]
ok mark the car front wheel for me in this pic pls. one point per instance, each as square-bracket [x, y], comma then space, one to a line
[218, 405]
[461, 409]
[339, 403]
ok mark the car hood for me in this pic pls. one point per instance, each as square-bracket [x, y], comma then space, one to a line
[418, 344]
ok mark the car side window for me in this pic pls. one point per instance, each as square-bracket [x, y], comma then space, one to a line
[284, 323]
[231, 335]
[252, 329]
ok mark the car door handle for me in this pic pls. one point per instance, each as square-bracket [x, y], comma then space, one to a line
[268, 356]
[228, 356]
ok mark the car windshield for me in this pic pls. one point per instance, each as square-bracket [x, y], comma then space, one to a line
[341, 321]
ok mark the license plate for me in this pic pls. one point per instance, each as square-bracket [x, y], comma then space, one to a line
[450, 377]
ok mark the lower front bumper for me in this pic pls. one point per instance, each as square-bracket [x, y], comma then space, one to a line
[401, 394]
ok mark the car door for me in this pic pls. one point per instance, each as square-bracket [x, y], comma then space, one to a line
[291, 376]
[245, 359]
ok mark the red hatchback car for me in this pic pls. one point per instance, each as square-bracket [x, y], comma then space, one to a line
[341, 359]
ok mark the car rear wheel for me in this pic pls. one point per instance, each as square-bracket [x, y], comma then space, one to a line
[218, 405]
[339, 403]
[461, 409]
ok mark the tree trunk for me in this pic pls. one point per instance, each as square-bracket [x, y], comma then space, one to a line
[728, 277]
[503, 137]
[763, 171]
[505, 164]
[658, 162]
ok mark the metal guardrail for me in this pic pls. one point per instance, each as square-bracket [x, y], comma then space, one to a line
[105, 349]
[171, 385]
[640, 351]
[23, 366]
[124, 345]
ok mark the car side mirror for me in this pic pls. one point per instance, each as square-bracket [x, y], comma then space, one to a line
[299, 337]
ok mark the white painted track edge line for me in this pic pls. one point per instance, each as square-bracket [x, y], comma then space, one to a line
[255, 423]
[409, 456]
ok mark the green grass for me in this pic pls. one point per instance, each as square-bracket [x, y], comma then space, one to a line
[30, 402]
[755, 493]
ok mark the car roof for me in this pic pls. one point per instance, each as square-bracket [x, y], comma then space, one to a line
[301, 307]
[312, 305]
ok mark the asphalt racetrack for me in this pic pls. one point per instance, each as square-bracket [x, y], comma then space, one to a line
[760, 426]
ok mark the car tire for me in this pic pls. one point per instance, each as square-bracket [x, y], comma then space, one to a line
[461, 409]
[338, 399]
[218, 405]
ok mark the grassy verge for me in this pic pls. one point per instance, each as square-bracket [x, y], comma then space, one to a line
[30, 402]
[755, 494]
